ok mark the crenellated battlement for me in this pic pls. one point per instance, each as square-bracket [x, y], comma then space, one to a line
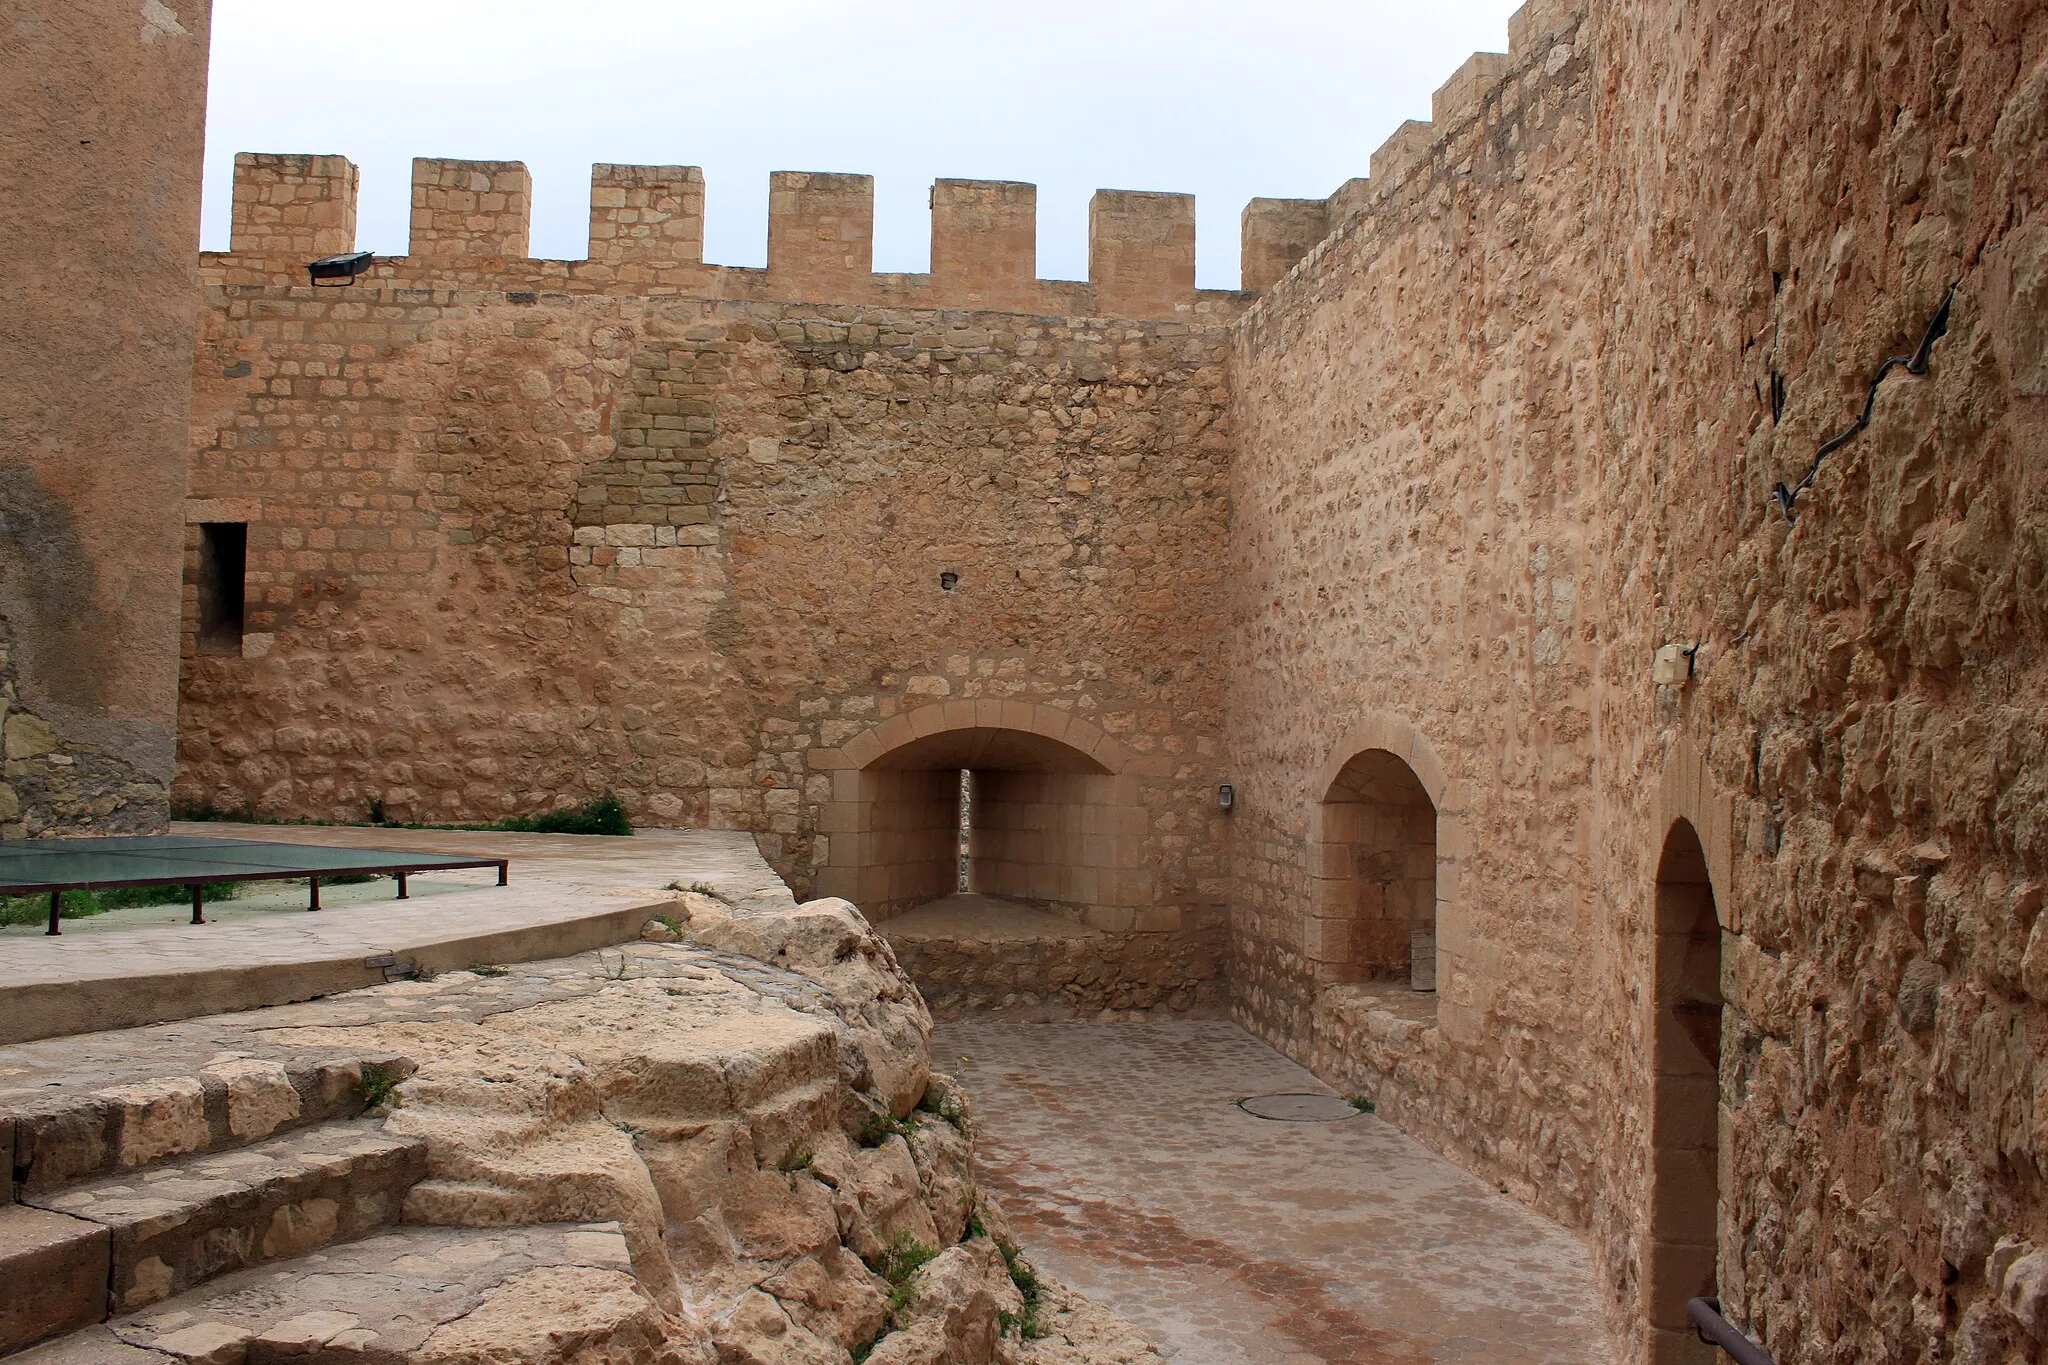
[470, 222]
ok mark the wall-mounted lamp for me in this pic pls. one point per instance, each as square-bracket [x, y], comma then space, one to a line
[1673, 665]
[341, 270]
[1226, 797]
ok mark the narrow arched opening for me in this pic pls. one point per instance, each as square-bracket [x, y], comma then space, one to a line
[1375, 910]
[1003, 815]
[1685, 1065]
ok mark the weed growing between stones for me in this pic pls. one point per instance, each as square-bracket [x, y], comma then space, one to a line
[794, 1160]
[701, 888]
[84, 904]
[1025, 1276]
[904, 1257]
[1362, 1103]
[489, 969]
[879, 1128]
[379, 1089]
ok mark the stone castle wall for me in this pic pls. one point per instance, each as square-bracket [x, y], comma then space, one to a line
[1504, 424]
[509, 548]
[1514, 427]
[99, 218]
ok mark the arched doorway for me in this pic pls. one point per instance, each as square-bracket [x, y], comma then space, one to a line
[1685, 1067]
[1055, 822]
[1375, 868]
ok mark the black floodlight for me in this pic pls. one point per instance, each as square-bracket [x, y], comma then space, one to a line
[343, 268]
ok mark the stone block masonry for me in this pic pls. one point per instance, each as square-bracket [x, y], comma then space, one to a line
[1390, 548]
[470, 222]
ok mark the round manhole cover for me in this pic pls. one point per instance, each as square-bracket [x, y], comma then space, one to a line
[1299, 1108]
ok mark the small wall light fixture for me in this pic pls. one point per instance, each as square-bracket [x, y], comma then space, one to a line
[1226, 796]
[339, 270]
[1673, 665]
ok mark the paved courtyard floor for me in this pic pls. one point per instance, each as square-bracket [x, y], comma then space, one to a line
[1122, 1157]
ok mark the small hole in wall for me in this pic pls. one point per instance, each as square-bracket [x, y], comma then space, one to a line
[948, 581]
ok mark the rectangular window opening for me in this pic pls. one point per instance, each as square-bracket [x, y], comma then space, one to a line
[223, 562]
[966, 829]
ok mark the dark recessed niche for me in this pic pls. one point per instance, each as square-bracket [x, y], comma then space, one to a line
[948, 581]
[223, 562]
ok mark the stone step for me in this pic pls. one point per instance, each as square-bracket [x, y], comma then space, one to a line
[180, 1223]
[53, 1274]
[380, 1300]
[82, 1118]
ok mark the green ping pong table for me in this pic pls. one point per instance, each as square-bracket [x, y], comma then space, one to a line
[31, 867]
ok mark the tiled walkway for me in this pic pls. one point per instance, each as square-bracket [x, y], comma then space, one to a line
[1130, 1173]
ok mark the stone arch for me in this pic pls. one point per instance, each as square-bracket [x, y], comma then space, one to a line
[1684, 1031]
[1058, 819]
[1386, 850]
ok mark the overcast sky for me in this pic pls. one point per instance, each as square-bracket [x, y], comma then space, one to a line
[1224, 99]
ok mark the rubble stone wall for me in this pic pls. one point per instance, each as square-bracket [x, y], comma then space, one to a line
[1513, 428]
[508, 550]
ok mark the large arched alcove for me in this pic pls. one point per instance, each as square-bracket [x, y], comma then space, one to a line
[1375, 911]
[1055, 822]
[1685, 1066]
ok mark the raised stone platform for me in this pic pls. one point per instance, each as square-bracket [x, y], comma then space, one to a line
[568, 894]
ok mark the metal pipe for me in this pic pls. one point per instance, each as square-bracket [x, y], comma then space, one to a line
[1718, 1331]
[56, 909]
[198, 903]
[314, 883]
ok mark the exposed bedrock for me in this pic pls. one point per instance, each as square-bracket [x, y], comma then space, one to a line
[727, 1148]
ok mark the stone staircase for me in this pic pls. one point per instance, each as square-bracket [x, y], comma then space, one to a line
[121, 1197]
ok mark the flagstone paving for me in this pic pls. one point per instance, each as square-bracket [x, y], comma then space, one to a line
[1130, 1172]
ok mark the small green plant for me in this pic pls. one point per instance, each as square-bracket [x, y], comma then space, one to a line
[795, 1159]
[612, 969]
[489, 969]
[1362, 1103]
[861, 1352]
[701, 888]
[606, 815]
[879, 1128]
[1025, 1276]
[379, 1089]
[85, 904]
[975, 1227]
[672, 924]
[901, 1259]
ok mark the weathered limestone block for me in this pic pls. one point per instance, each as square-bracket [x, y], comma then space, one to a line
[158, 1119]
[952, 1315]
[260, 1096]
[563, 1314]
[834, 1296]
[53, 1274]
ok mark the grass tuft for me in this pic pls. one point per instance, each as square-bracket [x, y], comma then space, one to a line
[85, 904]
[606, 815]
[379, 1089]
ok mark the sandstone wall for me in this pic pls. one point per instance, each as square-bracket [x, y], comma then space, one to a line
[510, 549]
[99, 217]
[1514, 427]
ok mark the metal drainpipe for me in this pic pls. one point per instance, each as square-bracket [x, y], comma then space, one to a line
[1713, 1328]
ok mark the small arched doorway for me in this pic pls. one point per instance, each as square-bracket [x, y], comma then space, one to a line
[1055, 824]
[1685, 1067]
[1375, 867]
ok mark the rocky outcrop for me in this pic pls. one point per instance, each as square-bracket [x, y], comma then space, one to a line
[728, 1147]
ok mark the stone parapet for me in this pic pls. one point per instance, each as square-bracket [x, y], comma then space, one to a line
[470, 223]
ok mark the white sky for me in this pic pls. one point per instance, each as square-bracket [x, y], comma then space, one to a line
[1224, 99]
